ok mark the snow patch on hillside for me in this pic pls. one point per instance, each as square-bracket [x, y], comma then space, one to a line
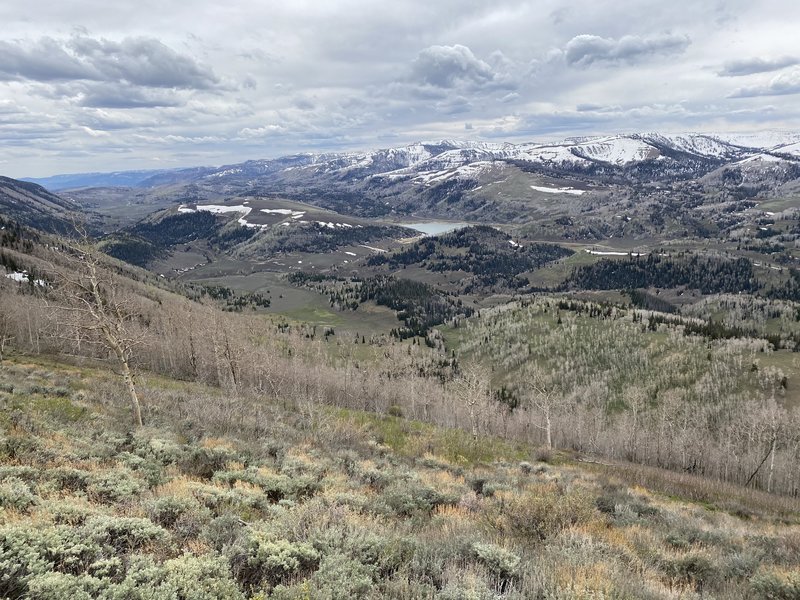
[561, 190]
[218, 209]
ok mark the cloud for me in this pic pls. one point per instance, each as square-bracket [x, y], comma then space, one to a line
[42, 60]
[584, 50]
[137, 61]
[449, 66]
[143, 61]
[781, 85]
[750, 66]
[122, 96]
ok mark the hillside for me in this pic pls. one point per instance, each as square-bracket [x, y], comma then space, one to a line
[546, 447]
[33, 205]
[255, 499]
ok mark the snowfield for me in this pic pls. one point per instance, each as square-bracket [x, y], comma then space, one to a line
[22, 277]
[561, 190]
[219, 209]
[612, 253]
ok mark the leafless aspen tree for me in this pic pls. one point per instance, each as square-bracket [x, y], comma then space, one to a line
[544, 397]
[96, 310]
[473, 391]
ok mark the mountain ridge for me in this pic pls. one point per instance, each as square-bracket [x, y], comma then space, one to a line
[618, 150]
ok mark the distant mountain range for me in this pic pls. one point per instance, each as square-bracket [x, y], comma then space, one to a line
[424, 162]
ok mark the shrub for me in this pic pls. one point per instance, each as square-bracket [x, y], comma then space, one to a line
[543, 513]
[543, 454]
[500, 562]
[15, 494]
[771, 586]
[204, 462]
[19, 562]
[58, 586]
[781, 549]
[741, 566]
[112, 487]
[407, 499]
[26, 553]
[28, 474]
[150, 469]
[224, 531]
[395, 411]
[167, 510]
[342, 578]
[70, 512]
[122, 534]
[69, 478]
[165, 452]
[260, 560]
[692, 569]
[685, 537]
[197, 578]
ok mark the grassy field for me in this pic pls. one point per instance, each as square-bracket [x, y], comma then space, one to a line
[780, 204]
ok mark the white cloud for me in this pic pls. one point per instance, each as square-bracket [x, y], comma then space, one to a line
[785, 84]
[449, 66]
[750, 66]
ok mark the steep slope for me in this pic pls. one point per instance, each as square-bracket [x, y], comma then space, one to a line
[32, 205]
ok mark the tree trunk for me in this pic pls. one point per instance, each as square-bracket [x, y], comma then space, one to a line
[549, 430]
[127, 376]
[135, 406]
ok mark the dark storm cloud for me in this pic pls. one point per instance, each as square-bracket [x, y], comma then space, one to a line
[584, 50]
[139, 61]
[750, 66]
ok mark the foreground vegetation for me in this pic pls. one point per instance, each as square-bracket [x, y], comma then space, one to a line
[238, 497]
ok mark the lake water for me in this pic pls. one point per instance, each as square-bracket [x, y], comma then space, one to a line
[434, 227]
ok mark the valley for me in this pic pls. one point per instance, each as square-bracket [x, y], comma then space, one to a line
[523, 361]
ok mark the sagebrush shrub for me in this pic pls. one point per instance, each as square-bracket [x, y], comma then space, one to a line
[25, 473]
[543, 513]
[694, 569]
[771, 586]
[122, 534]
[204, 462]
[68, 478]
[197, 578]
[15, 494]
[167, 510]
[500, 562]
[115, 486]
[258, 560]
[409, 498]
[224, 531]
[342, 578]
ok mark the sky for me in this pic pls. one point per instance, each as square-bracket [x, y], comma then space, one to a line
[91, 86]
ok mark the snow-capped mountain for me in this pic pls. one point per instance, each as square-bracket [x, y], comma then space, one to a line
[435, 159]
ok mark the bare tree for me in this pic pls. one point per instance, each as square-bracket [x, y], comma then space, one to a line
[6, 331]
[98, 311]
[473, 390]
[544, 397]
